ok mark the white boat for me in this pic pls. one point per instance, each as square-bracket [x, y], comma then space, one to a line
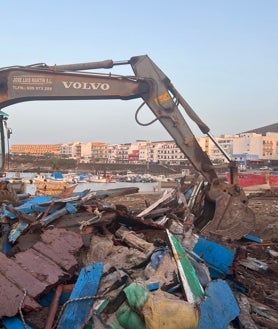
[101, 179]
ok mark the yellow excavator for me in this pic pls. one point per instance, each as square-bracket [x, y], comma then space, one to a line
[222, 208]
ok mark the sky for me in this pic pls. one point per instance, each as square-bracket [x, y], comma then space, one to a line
[222, 57]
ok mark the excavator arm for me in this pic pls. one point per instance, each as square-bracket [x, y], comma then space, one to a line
[19, 84]
[75, 81]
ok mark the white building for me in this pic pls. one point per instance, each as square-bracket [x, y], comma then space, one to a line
[248, 143]
[169, 153]
[225, 142]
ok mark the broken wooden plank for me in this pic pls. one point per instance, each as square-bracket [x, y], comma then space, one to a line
[77, 312]
[11, 297]
[69, 208]
[17, 229]
[71, 240]
[245, 319]
[17, 275]
[189, 279]
[263, 310]
[132, 240]
[53, 308]
[253, 264]
[218, 258]
[14, 323]
[32, 271]
[60, 245]
[165, 197]
[5, 245]
[219, 307]
[40, 266]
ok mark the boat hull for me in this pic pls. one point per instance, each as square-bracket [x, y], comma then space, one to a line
[254, 179]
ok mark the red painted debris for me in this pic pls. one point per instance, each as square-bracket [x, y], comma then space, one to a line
[36, 269]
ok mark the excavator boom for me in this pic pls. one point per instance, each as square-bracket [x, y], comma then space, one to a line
[41, 82]
[76, 81]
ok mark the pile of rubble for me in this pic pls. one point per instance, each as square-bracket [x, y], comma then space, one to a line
[122, 259]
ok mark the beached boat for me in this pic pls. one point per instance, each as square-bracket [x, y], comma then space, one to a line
[246, 179]
[52, 184]
[51, 187]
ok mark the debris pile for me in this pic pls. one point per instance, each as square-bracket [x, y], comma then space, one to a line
[122, 259]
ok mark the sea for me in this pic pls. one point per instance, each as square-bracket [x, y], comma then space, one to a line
[143, 187]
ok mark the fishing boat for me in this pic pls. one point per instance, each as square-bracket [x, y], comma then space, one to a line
[101, 179]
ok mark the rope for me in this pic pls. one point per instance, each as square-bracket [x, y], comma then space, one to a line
[68, 302]
[20, 309]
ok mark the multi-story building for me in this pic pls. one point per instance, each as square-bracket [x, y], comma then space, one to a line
[247, 143]
[169, 153]
[99, 152]
[152, 152]
[144, 146]
[71, 150]
[112, 153]
[117, 153]
[241, 147]
[36, 149]
[270, 146]
[264, 147]
[213, 152]
[85, 152]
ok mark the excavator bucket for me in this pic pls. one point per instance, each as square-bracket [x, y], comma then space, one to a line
[225, 212]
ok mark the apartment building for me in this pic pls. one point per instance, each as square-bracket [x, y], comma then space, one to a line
[241, 147]
[99, 151]
[248, 143]
[225, 142]
[71, 150]
[264, 146]
[36, 149]
[118, 153]
[270, 146]
[139, 151]
[144, 154]
[170, 154]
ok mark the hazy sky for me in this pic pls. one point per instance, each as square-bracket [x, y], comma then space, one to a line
[221, 55]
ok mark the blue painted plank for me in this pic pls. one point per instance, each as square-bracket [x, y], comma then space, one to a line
[69, 208]
[14, 323]
[219, 307]
[253, 238]
[218, 258]
[27, 207]
[76, 312]
[17, 229]
[5, 245]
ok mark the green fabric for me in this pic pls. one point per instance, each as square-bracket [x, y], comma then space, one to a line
[115, 325]
[136, 295]
[128, 318]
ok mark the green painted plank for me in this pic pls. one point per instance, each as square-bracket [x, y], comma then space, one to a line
[190, 282]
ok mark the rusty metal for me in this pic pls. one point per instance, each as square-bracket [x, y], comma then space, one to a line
[53, 307]
[55, 303]
[232, 219]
